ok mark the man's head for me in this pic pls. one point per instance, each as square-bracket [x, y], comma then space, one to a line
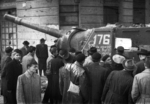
[31, 50]
[53, 50]
[42, 41]
[64, 54]
[147, 62]
[78, 52]
[72, 50]
[120, 50]
[26, 43]
[32, 66]
[106, 58]
[8, 50]
[129, 65]
[118, 59]
[96, 57]
[142, 54]
[17, 54]
[80, 58]
[92, 50]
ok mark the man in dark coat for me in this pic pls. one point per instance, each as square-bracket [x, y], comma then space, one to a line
[140, 65]
[25, 48]
[52, 92]
[5, 60]
[13, 70]
[42, 55]
[97, 76]
[117, 89]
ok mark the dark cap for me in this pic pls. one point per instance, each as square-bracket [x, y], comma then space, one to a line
[64, 53]
[105, 58]
[96, 56]
[42, 40]
[26, 43]
[143, 52]
[78, 52]
[92, 50]
[31, 49]
[80, 57]
[8, 49]
[55, 41]
[72, 50]
[120, 49]
[18, 51]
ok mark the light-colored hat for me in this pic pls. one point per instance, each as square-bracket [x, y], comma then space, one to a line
[129, 65]
[118, 59]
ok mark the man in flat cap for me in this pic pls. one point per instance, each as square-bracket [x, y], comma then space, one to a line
[117, 89]
[5, 60]
[25, 48]
[42, 55]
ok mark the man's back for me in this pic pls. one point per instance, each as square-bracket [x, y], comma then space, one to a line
[140, 67]
[24, 51]
[97, 77]
[26, 59]
[3, 61]
[118, 87]
[42, 51]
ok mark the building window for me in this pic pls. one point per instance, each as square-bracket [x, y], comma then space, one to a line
[6, 1]
[111, 14]
[8, 31]
[139, 11]
[69, 15]
[111, 11]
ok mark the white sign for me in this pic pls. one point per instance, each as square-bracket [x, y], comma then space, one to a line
[125, 42]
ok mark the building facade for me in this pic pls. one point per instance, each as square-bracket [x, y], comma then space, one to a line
[64, 14]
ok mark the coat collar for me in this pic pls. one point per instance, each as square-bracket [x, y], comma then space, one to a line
[29, 54]
[96, 63]
[16, 61]
[29, 74]
[147, 70]
[77, 69]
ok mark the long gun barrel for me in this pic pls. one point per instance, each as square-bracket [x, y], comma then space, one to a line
[51, 31]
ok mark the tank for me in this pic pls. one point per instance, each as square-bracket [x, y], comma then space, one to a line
[75, 38]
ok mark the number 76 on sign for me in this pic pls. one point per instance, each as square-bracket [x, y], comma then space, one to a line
[101, 39]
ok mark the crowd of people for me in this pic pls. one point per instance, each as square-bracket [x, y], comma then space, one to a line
[74, 78]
